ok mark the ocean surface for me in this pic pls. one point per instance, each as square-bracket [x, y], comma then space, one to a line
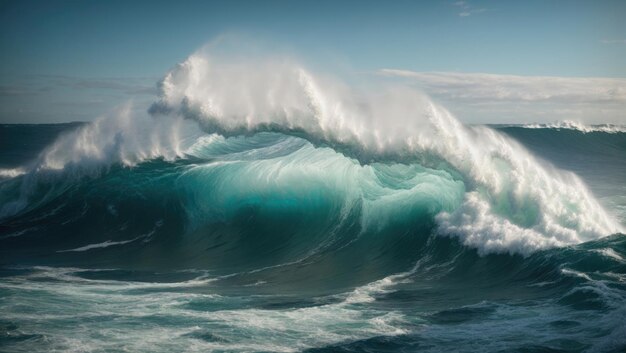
[197, 228]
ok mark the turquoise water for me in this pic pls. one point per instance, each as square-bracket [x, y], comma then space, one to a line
[276, 241]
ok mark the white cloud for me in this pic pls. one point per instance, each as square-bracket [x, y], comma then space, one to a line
[467, 10]
[54, 98]
[509, 98]
[613, 41]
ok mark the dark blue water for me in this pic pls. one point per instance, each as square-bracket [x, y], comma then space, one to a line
[277, 242]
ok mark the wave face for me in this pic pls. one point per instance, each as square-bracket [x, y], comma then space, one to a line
[261, 207]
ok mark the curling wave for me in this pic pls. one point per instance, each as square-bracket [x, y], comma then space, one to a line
[513, 202]
[388, 151]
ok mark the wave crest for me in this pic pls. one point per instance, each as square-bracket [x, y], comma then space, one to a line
[578, 126]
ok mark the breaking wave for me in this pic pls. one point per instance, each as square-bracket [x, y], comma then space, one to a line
[272, 131]
[577, 126]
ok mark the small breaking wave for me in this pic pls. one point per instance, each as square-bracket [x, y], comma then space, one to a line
[577, 126]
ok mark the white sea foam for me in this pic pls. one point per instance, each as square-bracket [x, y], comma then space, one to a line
[105, 244]
[67, 310]
[18, 233]
[11, 172]
[146, 238]
[121, 137]
[578, 126]
[612, 254]
[108, 306]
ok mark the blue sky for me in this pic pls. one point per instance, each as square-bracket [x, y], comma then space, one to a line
[75, 60]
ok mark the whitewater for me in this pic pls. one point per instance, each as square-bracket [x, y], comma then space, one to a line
[257, 205]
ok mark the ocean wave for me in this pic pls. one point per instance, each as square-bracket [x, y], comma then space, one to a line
[270, 135]
[577, 126]
[232, 97]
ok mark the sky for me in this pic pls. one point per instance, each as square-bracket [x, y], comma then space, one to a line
[487, 61]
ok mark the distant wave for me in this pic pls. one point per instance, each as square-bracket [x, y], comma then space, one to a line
[11, 173]
[574, 125]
